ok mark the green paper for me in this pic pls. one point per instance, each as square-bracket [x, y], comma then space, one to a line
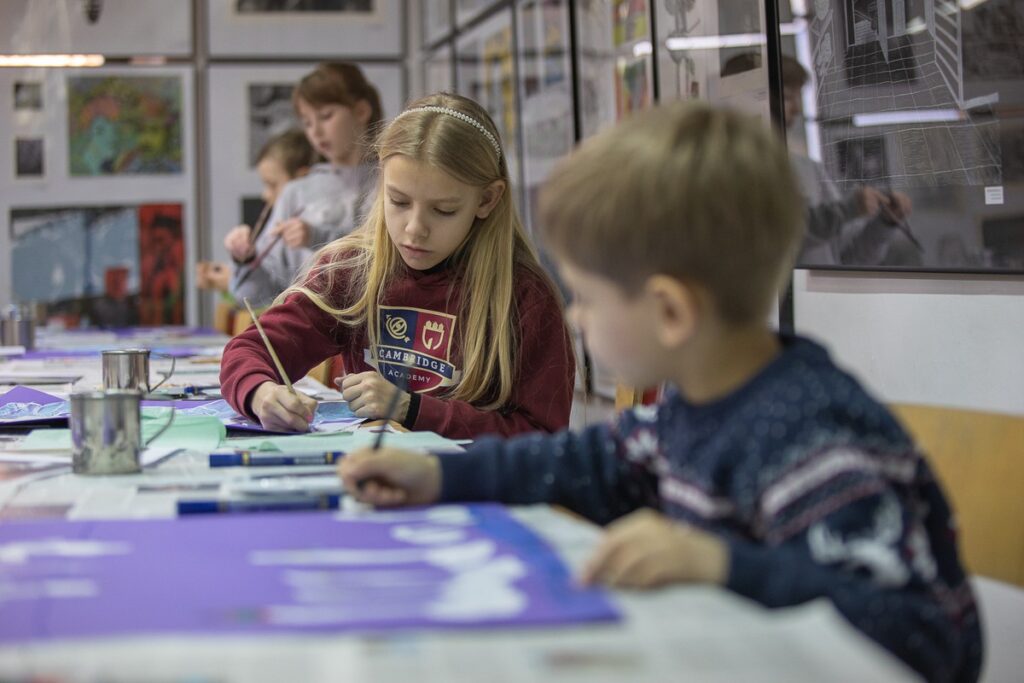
[201, 433]
[342, 441]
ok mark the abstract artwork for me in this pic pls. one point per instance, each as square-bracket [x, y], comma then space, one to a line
[124, 125]
[111, 266]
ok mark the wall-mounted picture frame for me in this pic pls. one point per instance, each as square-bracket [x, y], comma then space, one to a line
[338, 30]
[439, 70]
[914, 162]
[544, 65]
[115, 28]
[435, 20]
[234, 129]
[28, 157]
[468, 10]
[120, 125]
[51, 124]
[615, 66]
[109, 266]
[486, 72]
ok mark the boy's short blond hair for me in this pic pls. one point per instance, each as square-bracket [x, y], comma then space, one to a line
[700, 194]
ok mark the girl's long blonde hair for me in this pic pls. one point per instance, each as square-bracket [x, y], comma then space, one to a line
[485, 262]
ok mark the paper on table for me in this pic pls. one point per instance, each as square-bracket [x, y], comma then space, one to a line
[347, 441]
[201, 434]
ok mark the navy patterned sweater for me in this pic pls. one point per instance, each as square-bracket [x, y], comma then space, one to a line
[814, 486]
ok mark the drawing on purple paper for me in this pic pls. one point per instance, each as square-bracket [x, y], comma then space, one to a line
[330, 415]
[473, 567]
[25, 405]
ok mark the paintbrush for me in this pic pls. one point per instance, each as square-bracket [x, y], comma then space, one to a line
[270, 348]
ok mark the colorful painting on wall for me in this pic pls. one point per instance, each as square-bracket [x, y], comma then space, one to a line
[161, 265]
[109, 266]
[124, 125]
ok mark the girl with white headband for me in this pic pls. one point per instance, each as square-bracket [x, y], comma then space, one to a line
[437, 305]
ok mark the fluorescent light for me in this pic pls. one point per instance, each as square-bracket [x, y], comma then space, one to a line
[728, 40]
[51, 60]
[714, 42]
[889, 118]
[642, 48]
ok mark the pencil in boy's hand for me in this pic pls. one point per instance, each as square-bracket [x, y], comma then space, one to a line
[270, 349]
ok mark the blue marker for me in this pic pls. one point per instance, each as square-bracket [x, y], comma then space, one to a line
[199, 507]
[257, 459]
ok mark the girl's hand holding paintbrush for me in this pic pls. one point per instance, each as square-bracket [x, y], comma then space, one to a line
[281, 410]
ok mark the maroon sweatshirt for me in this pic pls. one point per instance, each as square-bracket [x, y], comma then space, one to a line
[419, 328]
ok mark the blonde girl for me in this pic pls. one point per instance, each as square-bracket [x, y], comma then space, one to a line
[438, 296]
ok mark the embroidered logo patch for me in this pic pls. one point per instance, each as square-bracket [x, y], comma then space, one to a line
[418, 344]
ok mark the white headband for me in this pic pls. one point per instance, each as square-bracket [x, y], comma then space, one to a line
[461, 117]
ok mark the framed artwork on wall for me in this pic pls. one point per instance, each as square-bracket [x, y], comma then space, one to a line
[107, 266]
[545, 92]
[435, 20]
[615, 69]
[328, 28]
[917, 163]
[438, 71]
[115, 28]
[139, 164]
[468, 10]
[485, 72]
[121, 125]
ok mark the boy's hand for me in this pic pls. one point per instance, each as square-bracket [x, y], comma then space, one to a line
[294, 231]
[280, 410]
[646, 549]
[369, 395]
[391, 477]
[238, 243]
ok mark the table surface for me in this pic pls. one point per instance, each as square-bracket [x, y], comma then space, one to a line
[683, 633]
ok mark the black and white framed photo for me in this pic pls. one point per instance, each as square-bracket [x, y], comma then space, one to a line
[28, 157]
[270, 113]
[438, 70]
[544, 65]
[914, 159]
[28, 96]
[306, 28]
[115, 28]
[435, 20]
[486, 72]
[468, 10]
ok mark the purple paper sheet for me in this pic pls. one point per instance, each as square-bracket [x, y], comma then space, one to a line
[25, 406]
[98, 349]
[327, 413]
[444, 567]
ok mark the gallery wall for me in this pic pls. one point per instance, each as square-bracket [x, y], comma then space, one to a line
[922, 99]
[928, 308]
[115, 181]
